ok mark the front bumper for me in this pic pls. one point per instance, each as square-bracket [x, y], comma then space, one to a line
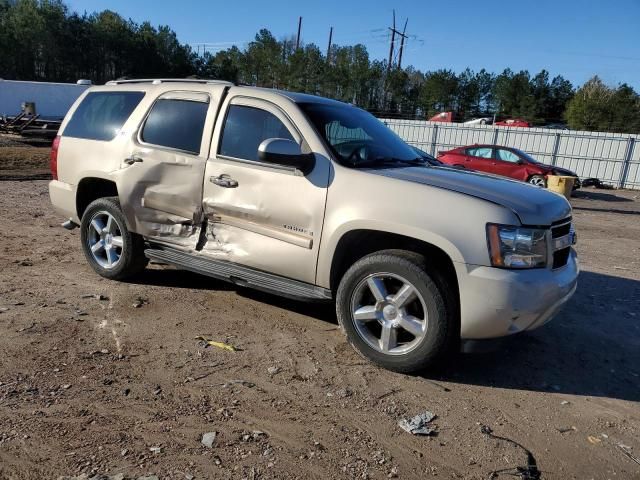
[497, 302]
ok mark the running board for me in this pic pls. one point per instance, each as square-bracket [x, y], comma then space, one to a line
[239, 275]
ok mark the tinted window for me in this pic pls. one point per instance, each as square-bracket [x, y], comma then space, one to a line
[507, 156]
[176, 124]
[246, 128]
[481, 152]
[101, 115]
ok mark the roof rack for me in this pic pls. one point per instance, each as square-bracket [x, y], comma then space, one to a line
[158, 81]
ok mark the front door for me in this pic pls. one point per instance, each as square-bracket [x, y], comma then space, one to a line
[160, 184]
[262, 215]
[508, 164]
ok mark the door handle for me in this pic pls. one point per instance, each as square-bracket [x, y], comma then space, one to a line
[133, 159]
[224, 180]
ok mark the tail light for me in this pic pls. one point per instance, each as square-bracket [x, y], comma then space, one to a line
[54, 157]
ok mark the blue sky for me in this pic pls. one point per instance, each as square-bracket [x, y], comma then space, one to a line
[575, 38]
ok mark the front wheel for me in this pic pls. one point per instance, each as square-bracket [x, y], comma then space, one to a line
[395, 313]
[110, 248]
[538, 181]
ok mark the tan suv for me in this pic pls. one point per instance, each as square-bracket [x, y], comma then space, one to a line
[312, 199]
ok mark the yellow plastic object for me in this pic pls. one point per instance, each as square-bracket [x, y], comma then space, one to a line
[562, 185]
[222, 345]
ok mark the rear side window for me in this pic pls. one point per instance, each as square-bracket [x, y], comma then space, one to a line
[101, 115]
[481, 152]
[176, 123]
[246, 128]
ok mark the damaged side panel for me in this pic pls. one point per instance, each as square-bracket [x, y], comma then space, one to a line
[271, 219]
[160, 182]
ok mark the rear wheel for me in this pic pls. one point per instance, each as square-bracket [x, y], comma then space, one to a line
[395, 313]
[538, 181]
[110, 248]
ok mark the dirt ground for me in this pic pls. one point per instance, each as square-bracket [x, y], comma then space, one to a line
[101, 377]
[21, 161]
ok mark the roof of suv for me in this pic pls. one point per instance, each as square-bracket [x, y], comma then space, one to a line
[293, 96]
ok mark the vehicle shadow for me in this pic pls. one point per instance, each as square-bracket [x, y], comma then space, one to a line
[174, 278]
[603, 197]
[608, 210]
[591, 348]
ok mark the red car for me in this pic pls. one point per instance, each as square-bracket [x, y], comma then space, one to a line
[513, 122]
[505, 161]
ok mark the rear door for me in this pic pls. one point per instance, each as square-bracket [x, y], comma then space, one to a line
[480, 159]
[160, 183]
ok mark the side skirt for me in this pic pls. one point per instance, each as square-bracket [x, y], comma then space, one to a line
[240, 275]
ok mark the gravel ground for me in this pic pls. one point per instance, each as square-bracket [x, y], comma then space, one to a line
[101, 377]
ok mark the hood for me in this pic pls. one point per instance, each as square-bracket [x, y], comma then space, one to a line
[555, 170]
[533, 205]
[562, 171]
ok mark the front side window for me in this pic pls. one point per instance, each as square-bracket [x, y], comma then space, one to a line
[176, 123]
[246, 128]
[507, 156]
[481, 152]
[101, 115]
[357, 138]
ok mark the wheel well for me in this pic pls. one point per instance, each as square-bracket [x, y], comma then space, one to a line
[90, 189]
[359, 243]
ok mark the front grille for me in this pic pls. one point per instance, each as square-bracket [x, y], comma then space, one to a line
[561, 257]
[561, 230]
[561, 253]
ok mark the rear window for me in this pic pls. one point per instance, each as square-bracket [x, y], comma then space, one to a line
[101, 115]
[175, 123]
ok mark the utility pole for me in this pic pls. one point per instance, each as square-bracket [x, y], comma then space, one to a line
[329, 46]
[393, 39]
[299, 29]
[403, 35]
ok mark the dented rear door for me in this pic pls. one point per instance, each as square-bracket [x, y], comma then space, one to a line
[262, 215]
[160, 184]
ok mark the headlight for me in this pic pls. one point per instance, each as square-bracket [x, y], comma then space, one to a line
[517, 247]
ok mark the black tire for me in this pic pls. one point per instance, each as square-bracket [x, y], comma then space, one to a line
[131, 259]
[441, 333]
[538, 180]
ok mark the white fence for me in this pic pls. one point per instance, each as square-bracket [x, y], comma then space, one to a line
[611, 157]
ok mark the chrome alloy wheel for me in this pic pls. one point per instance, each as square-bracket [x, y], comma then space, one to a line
[104, 239]
[389, 313]
[537, 181]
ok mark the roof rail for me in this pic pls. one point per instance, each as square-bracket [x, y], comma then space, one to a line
[158, 81]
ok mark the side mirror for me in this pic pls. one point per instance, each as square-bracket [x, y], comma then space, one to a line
[286, 152]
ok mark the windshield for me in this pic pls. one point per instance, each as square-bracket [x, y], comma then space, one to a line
[525, 155]
[357, 138]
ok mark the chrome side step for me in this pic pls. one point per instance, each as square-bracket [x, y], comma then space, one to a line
[239, 275]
